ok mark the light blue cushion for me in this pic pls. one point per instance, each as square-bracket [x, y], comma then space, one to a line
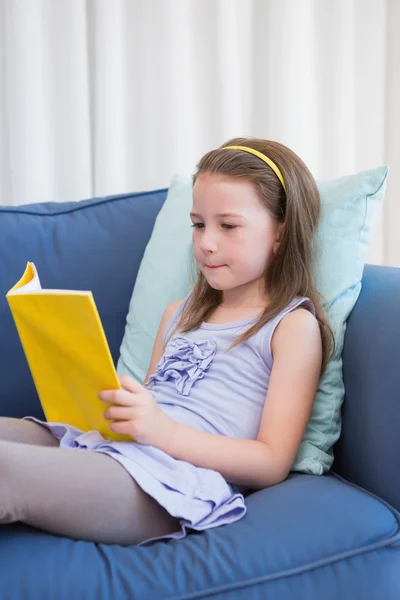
[163, 277]
[166, 273]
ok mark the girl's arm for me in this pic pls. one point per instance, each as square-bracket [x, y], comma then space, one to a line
[297, 354]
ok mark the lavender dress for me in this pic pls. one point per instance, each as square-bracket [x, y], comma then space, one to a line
[198, 384]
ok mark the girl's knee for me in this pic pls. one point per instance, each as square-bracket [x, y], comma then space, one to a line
[26, 432]
[8, 507]
[8, 461]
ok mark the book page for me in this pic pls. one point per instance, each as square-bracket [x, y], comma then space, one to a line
[30, 284]
[32, 281]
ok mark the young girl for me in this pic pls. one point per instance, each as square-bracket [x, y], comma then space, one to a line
[231, 383]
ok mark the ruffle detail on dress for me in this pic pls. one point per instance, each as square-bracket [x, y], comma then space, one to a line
[185, 362]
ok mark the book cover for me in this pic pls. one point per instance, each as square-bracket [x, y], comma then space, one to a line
[67, 352]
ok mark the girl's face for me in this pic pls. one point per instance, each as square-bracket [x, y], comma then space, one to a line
[233, 234]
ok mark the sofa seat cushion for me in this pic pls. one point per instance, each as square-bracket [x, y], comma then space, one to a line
[310, 537]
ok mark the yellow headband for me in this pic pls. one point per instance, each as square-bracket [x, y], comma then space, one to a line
[267, 160]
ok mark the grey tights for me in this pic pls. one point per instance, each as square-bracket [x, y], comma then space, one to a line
[71, 492]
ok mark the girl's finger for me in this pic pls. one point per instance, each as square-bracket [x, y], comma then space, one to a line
[120, 397]
[121, 427]
[130, 384]
[119, 412]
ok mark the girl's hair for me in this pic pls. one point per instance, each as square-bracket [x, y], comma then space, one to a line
[289, 273]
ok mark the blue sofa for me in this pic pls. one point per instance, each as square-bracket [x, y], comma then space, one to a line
[333, 537]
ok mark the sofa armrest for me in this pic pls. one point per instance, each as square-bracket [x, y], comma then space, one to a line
[368, 452]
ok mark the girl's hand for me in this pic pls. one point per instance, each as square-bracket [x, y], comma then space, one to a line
[136, 413]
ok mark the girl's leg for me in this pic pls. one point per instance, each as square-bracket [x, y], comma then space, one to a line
[25, 432]
[77, 493]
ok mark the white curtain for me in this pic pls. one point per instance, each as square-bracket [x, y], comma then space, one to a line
[101, 97]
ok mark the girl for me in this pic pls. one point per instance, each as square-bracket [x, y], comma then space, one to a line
[231, 383]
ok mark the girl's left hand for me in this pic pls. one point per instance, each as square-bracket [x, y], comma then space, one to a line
[136, 413]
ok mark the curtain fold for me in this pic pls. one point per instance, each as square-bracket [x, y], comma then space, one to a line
[101, 97]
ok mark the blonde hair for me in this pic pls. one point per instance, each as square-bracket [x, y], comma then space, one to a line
[290, 272]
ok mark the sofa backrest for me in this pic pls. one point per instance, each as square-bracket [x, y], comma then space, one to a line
[368, 452]
[98, 245]
[92, 245]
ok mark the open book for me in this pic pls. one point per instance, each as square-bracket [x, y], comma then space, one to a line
[67, 352]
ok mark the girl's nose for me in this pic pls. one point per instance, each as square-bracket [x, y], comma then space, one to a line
[208, 242]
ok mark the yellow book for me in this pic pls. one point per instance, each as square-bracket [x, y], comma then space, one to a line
[67, 352]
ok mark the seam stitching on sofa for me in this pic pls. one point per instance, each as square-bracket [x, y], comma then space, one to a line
[387, 542]
[325, 562]
[97, 202]
[394, 512]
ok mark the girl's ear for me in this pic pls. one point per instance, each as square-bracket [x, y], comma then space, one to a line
[281, 230]
[279, 234]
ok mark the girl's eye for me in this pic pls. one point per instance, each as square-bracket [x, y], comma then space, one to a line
[201, 226]
[228, 226]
